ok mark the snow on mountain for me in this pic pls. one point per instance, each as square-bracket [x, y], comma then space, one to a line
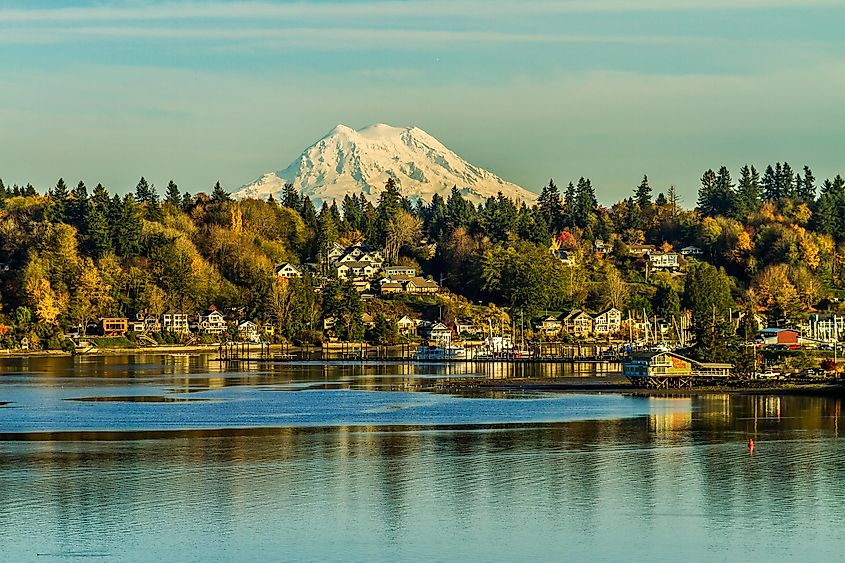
[346, 161]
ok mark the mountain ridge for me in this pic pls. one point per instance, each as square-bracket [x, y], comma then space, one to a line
[349, 161]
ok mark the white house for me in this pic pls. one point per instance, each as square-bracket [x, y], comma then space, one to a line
[664, 261]
[406, 324]
[391, 271]
[212, 322]
[608, 321]
[691, 251]
[173, 321]
[550, 325]
[249, 331]
[436, 332]
[288, 270]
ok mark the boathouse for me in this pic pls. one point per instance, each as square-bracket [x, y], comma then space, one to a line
[660, 370]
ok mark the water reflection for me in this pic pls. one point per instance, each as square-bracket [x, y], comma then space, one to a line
[416, 476]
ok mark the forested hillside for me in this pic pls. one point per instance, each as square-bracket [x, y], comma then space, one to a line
[771, 243]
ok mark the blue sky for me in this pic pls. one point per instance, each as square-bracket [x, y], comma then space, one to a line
[611, 89]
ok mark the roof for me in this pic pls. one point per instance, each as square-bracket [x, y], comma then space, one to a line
[358, 264]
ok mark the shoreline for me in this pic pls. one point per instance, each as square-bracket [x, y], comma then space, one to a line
[620, 386]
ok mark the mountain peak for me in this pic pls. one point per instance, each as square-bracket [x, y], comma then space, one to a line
[346, 161]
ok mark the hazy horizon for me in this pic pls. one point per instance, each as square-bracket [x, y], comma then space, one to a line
[201, 91]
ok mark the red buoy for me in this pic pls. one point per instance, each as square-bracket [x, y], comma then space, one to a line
[751, 443]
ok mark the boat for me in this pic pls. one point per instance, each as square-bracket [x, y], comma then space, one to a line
[438, 352]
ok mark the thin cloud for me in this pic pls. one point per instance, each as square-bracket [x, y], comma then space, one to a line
[368, 9]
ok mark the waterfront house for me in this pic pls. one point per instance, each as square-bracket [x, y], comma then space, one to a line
[464, 326]
[368, 320]
[608, 321]
[577, 322]
[212, 322]
[388, 286]
[436, 332]
[288, 270]
[550, 325]
[145, 324]
[249, 331]
[114, 326]
[668, 369]
[174, 321]
[406, 325]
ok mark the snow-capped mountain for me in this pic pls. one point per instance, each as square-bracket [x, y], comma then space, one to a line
[347, 161]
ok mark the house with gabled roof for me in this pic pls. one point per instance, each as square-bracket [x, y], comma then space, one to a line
[608, 321]
[288, 270]
[577, 322]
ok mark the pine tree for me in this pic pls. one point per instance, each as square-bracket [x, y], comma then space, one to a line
[187, 202]
[747, 192]
[726, 201]
[642, 195]
[771, 186]
[551, 208]
[77, 206]
[584, 209]
[327, 234]
[173, 197]
[29, 190]
[218, 194]
[98, 240]
[290, 197]
[126, 226]
[143, 193]
[708, 199]
[785, 179]
[3, 194]
[807, 193]
[569, 195]
[57, 210]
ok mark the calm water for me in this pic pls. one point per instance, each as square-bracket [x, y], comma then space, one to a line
[152, 458]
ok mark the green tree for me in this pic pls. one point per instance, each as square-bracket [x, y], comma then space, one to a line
[57, 208]
[219, 195]
[642, 195]
[173, 197]
[707, 294]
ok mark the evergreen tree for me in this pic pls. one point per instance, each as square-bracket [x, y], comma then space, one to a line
[436, 218]
[707, 294]
[173, 197]
[29, 190]
[126, 226]
[771, 186]
[747, 192]
[807, 193]
[57, 210]
[143, 192]
[551, 208]
[98, 239]
[77, 206]
[642, 195]
[290, 197]
[585, 206]
[785, 179]
[725, 192]
[708, 197]
[352, 211]
[327, 234]
[460, 213]
[218, 194]
[308, 213]
[187, 202]
[569, 196]
[3, 194]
